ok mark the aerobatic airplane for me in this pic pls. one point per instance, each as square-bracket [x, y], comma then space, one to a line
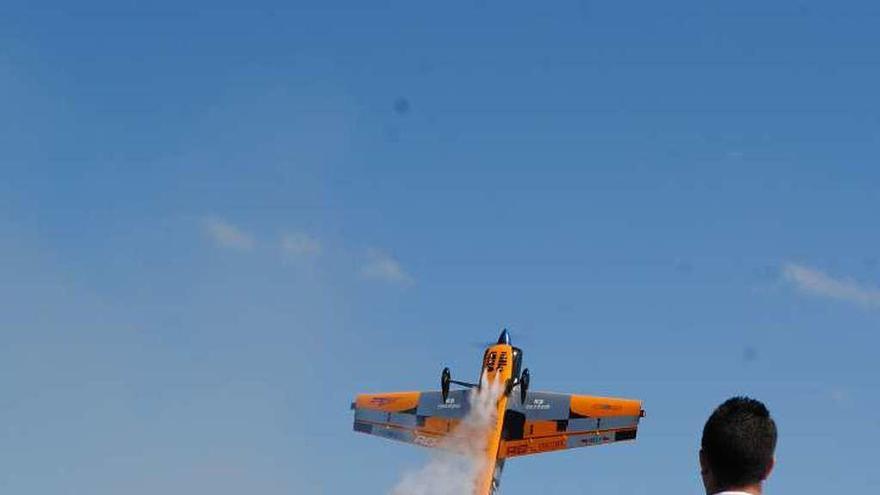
[527, 423]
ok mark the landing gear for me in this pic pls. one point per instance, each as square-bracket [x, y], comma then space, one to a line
[522, 381]
[524, 385]
[446, 380]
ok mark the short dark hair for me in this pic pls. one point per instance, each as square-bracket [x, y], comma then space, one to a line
[738, 441]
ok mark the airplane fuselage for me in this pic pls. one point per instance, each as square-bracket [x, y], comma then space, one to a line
[497, 371]
[501, 363]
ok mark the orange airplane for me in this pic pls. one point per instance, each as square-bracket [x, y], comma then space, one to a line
[529, 423]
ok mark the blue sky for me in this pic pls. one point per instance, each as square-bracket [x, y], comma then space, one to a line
[218, 223]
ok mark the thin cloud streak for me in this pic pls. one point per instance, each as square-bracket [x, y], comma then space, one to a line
[381, 266]
[300, 245]
[819, 283]
[226, 235]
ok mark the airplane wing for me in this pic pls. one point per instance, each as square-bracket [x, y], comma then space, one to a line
[421, 418]
[548, 421]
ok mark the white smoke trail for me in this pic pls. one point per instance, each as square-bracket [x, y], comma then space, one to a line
[454, 468]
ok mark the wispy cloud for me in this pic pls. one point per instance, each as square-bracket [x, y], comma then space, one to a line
[817, 282]
[381, 266]
[226, 235]
[300, 245]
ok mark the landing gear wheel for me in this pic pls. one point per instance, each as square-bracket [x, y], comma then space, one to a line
[524, 385]
[445, 378]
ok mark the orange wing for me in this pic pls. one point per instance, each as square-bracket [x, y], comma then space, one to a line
[421, 418]
[547, 421]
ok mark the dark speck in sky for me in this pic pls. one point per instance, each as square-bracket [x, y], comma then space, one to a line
[401, 106]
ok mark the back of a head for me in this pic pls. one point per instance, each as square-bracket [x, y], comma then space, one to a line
[739, 440]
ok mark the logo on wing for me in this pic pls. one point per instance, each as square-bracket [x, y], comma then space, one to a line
[607, 407]
[538, 404]
[449, 403]
[382, 401]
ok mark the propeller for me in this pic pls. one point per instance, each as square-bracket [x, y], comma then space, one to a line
[517, 337]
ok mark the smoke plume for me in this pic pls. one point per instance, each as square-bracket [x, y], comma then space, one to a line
[460, 458]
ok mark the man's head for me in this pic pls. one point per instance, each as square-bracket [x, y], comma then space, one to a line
[737, 447]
